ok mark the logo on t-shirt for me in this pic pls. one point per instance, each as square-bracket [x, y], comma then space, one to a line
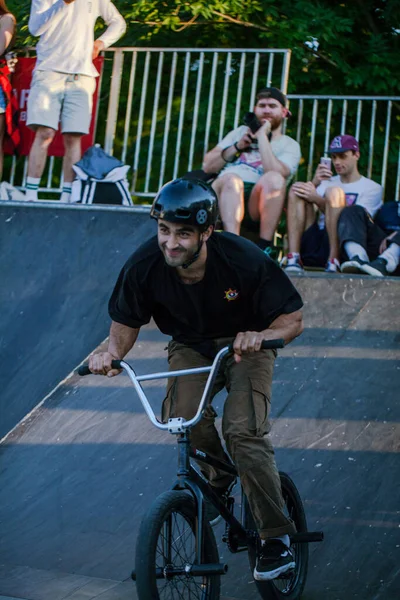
[231, 294]
[351, 198]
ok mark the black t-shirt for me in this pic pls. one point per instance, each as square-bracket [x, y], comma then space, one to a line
[242, 290]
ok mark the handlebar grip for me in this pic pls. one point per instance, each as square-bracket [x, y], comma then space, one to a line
[268, 344]
[84, 369]
[273, 344]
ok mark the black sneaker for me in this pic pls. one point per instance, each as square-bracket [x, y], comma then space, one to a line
[376, 268]
[274, 559]
[355, 265]
[211, 512]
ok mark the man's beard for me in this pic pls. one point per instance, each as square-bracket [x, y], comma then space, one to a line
[182, 257]
[276, 123]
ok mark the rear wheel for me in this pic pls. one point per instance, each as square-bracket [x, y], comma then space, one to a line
[291, 584]
[167, 543]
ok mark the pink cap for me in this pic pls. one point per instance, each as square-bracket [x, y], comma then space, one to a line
[342, 143]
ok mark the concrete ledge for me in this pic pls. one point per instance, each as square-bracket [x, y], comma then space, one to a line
[57, 205]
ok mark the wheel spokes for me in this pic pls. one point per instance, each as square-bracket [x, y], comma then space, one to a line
[176, 548]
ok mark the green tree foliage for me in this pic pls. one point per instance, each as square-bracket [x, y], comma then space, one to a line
[339, 46]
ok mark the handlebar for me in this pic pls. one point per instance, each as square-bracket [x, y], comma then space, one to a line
[84, 370]
[178, 424]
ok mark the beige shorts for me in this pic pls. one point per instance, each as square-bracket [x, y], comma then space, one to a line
[56, 97]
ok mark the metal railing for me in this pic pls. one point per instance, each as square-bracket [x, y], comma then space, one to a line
[161, 109]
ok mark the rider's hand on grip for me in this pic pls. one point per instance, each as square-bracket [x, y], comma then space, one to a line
[253, 341]
[101, 364]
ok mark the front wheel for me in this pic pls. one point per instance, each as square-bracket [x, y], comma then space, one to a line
[167, 543]
[291, 584]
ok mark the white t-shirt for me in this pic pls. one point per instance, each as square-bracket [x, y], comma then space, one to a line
[363, 192]
[67, 33]
[249, 165]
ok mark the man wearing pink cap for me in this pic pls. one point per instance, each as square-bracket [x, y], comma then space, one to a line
[314, 207]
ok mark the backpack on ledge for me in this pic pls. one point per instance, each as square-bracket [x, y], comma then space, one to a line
[388, 216]
[100, 179]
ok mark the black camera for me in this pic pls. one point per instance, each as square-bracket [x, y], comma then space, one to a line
[252, 122]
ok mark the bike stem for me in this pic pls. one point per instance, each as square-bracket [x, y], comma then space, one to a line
[183, 454]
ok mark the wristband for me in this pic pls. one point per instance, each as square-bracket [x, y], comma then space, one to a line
[224, 159]
[235, 145]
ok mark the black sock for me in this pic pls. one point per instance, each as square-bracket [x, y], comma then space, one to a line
[264, 243]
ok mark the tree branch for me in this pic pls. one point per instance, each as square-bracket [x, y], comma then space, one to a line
[239, 22]
[322, 56]
[188, 24]
[185, 24]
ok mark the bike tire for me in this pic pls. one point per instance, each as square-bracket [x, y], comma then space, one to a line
[292, 587]
[173, 513]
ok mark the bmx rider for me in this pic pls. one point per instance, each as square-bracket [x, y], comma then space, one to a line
[207, 289]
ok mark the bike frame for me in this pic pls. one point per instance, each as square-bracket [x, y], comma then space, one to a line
[187, 477]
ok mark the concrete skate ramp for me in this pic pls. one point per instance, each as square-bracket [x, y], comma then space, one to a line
[81, 472]
[57, 270]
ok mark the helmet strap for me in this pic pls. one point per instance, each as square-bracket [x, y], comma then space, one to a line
[195, 255]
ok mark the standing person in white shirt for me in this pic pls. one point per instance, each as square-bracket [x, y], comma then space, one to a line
[64, 78]
[253, 169]
[314, 241]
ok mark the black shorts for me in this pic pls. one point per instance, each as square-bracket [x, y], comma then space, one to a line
[314, 248]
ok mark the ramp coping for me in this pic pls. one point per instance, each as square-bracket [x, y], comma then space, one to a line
[56, 204]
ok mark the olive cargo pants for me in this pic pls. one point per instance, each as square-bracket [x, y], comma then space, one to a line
[244, 426]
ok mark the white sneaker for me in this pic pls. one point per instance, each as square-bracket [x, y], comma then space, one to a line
[292, 264]
[332, 266]
[354, 265]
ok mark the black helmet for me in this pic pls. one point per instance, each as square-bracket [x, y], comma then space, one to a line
[187, 201]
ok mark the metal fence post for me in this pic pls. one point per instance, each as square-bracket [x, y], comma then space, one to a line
[112, 113]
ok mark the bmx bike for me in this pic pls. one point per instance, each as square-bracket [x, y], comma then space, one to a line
[176, 549]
